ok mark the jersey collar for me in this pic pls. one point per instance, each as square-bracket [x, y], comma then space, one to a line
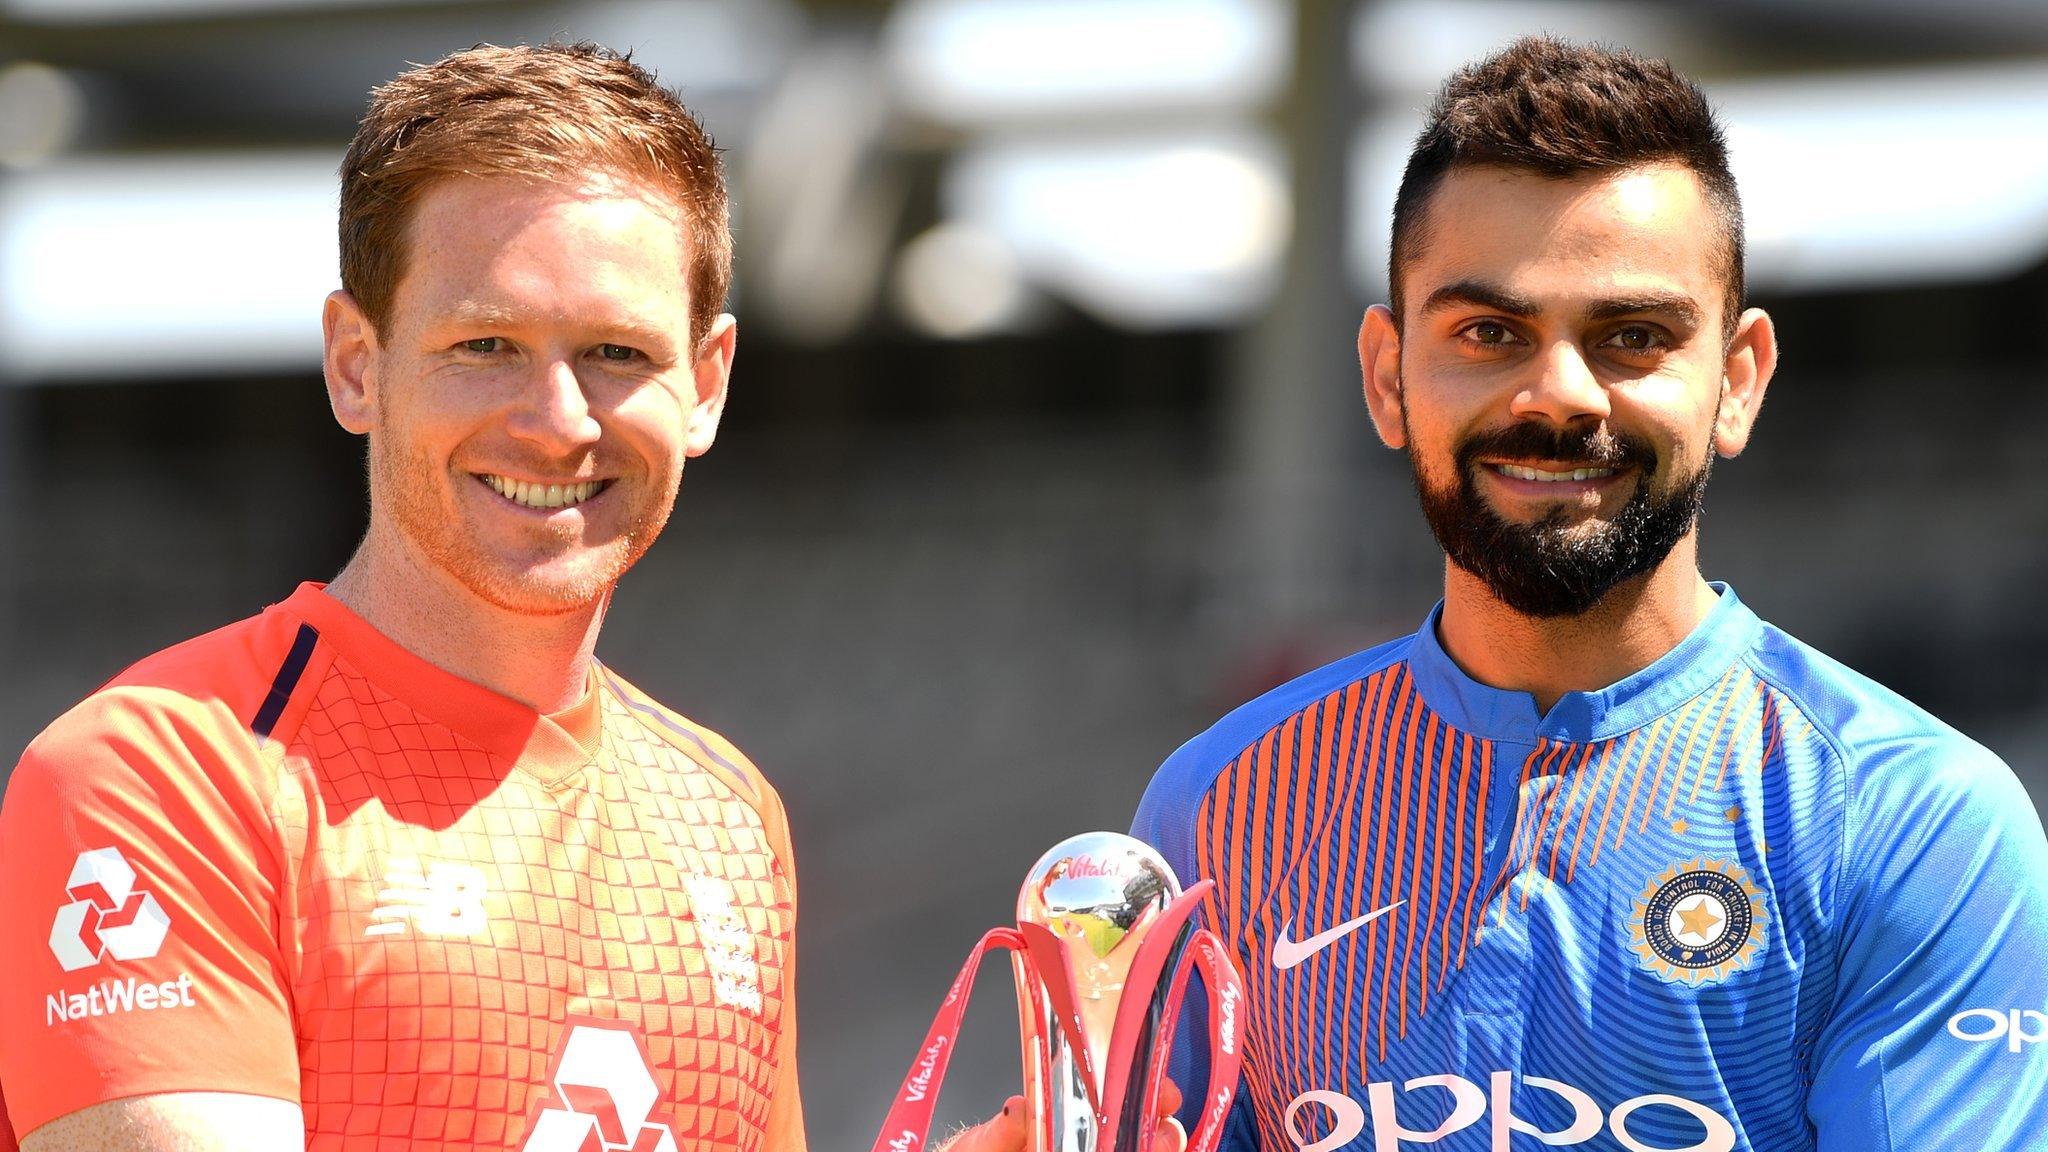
[1690, 668]
[499, 724]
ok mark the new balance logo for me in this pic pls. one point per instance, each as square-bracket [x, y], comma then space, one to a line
[1287, 953]
[603, 1096]
[442, 900]
[107, 915]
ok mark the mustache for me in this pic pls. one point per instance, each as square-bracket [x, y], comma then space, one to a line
[1592, 447]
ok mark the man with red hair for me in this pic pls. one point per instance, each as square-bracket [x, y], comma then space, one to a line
[398, 862]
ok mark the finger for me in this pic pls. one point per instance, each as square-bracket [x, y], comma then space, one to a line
[1169, 1097]
[1172, 1137]
[1003, 1132]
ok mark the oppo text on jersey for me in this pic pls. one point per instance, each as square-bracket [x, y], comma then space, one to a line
[2015, 1026]
[1471, 1103]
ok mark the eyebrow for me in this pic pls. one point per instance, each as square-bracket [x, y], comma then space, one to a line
[1498, 299]
[1481, 293]
[467, 312]
[632, 327]
[1669, 303]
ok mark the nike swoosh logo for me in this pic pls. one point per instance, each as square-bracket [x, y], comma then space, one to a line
[1287, 953]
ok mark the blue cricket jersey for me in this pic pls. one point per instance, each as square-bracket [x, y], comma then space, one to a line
[1743, 899]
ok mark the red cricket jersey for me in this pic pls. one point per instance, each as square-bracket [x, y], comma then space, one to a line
[290, 858]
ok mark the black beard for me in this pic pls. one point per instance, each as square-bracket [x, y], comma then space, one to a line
[1549, 568]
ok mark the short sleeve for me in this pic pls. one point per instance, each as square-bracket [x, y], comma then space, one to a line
[785, 1105]
[139, 875]
[1938, 1037]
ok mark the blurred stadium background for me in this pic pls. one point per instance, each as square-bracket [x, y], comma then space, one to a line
[1045, 444]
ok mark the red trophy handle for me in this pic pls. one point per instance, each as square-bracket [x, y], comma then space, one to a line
[1226, 1045]
[1225, 991]
[909, 1122]
[1170, 950]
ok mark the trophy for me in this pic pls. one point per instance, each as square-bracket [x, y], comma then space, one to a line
[1103, 949]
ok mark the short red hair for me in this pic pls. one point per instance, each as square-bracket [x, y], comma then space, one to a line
[555, 112]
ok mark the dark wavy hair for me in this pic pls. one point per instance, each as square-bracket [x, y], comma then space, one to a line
[1564, 110]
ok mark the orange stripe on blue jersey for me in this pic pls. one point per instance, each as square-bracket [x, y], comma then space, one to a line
[1743, 899]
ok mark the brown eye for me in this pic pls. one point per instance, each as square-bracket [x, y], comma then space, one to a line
[1488, 332]
[1636, 338]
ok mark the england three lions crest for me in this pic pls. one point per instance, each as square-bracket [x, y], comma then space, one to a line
[1698, 922]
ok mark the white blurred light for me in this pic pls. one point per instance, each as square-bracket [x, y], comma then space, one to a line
[702, 45]
[1892, 178]
[41, 110]
[1847, 182]
[1146, 232]
[160, 267]
[821, 213]
[97, 11]
[957, 281]
[964, 61]
[1411, 45]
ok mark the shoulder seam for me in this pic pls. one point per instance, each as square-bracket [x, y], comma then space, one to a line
[1366, 672]
[1839, 866]
[1210, 768]
[670, 730]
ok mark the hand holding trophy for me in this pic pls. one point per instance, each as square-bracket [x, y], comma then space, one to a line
[1103, 949]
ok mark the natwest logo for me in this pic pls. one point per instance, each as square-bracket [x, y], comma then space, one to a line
[109, 997]
[1470, 1103]
[107, 916]
[604, 1095]
[2016, 1026]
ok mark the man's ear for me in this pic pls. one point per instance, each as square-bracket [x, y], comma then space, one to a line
[349, 361]
[1752, 358]
[1379, 358]
[711, 372]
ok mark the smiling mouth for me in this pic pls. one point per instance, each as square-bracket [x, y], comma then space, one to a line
[544, 496]
[1523, 472]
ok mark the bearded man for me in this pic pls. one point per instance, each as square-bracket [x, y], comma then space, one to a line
[1597, 857]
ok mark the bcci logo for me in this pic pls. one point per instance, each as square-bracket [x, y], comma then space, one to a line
[1698, 922]
[603, 1096]
[107, 916]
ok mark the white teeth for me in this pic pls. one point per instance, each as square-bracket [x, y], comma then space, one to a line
[542, 495]
[1521, 473]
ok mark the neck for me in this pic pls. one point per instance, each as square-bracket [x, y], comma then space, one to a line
[1637, 621]
[540, 661]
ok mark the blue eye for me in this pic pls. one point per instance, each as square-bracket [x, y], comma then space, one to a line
[481, 345]
[616, 352]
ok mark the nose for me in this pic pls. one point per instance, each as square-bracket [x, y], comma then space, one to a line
[554, 413]
[1563, 388]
